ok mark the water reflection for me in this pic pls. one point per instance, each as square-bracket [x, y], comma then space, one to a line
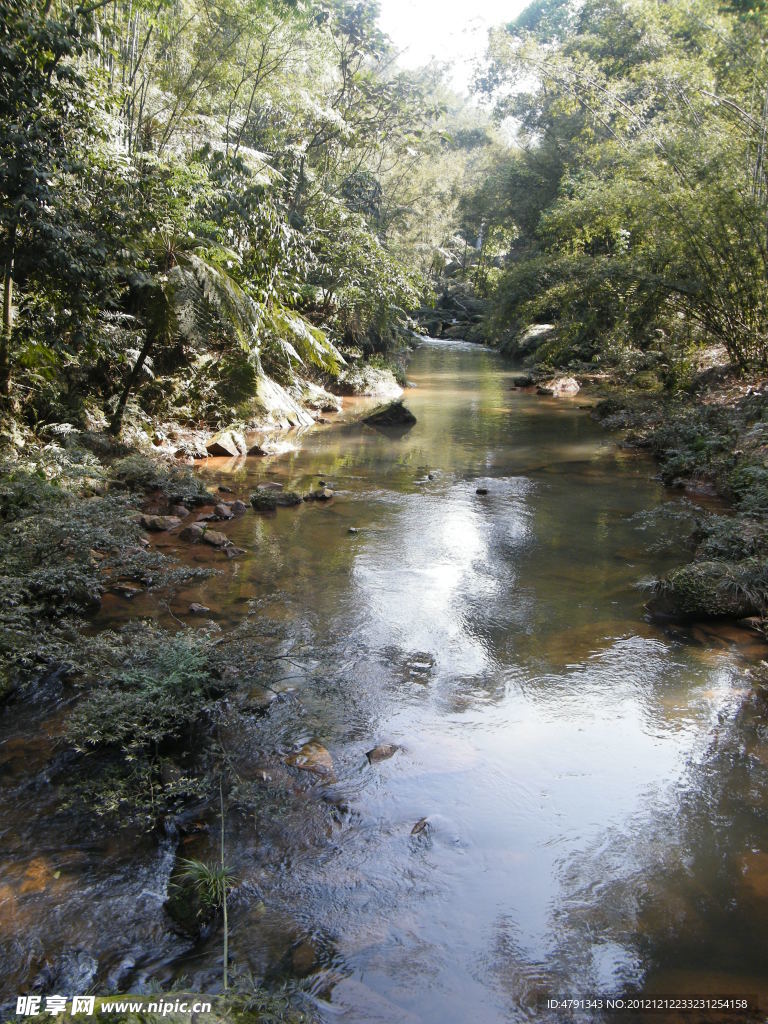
[594, 790]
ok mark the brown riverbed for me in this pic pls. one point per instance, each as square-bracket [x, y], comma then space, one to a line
[595, 787]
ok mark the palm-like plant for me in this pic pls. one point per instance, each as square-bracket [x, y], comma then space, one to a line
[193, 292]
[212, 884]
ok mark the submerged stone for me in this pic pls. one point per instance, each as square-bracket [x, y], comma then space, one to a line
[382, 753]
[313, 757]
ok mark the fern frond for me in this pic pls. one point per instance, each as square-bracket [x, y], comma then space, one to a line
[303, 342]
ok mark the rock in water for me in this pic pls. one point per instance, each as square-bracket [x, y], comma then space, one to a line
[559, 386]
[199, 609]
[313, 757]
[227, 442]
[223, 511]
[126, 589]
[321, 494]
[382, 753]
[393, 415]
[192, 533]
[160, 523]
[419, 827]
[216, 539]
[264, 499]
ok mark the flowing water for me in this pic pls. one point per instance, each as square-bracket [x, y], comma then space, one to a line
[595, 788]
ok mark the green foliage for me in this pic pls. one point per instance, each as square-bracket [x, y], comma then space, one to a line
[636, 196]
[153, 249]
[178, 484]
[209, 882]
[163, 690]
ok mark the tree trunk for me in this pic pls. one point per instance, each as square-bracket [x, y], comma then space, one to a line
[5, 338]
[117, 419]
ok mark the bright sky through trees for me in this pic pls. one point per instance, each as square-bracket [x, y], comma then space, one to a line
[454, 32]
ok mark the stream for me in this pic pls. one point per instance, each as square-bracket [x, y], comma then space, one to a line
[595, 786]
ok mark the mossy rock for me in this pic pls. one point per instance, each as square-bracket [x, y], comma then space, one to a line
[264, 499]
[711, 590]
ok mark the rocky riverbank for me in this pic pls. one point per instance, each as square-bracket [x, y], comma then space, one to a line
[710, 441]
[129, 722]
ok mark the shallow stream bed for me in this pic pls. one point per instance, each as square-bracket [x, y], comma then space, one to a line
[595, 788]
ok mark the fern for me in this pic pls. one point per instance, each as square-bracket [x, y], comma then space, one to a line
[301, 342]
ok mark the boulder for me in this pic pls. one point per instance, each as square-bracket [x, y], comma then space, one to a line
[238, 507]
[159, 524]
[192, 533]
[367, 380]
[393, 415]
[313, 757]
[227, 443]
[382, 753]
[559, 386]
[288, 498]
[320, 400]
[223, 511]
[264, 499]
[216, 539]
[272, 403]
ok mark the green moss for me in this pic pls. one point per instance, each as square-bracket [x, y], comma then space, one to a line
[138, 472]
[713, 589]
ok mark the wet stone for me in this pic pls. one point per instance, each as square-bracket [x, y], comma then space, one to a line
[159, 524]
[382, 753]
[216, 539]
[313, 757]
[192, 533]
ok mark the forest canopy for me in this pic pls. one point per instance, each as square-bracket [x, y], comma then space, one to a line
[631, 215]
[195, 195]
